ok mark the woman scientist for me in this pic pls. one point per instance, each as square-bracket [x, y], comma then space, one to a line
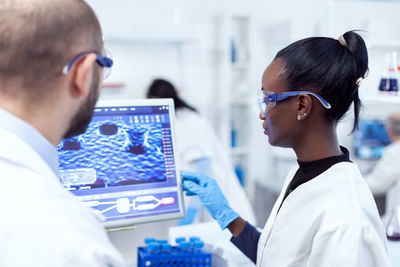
[325, 214]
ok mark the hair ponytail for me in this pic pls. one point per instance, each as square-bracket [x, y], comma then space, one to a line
[357, 48]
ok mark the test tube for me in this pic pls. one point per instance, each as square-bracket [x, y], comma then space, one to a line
[153, 247]
[166, 248]
[194, 238]
[184, 246]
[179, 240]
[198, 245]
[148, 240]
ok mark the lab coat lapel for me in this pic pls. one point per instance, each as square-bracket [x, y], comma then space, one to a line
[272, 217]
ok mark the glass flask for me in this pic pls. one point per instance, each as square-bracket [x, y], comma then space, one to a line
[393, 226]
[389, 82]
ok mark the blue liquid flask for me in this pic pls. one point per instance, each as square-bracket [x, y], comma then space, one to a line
[389, 82]
[233, 135]
[233, 51]
[393, 227]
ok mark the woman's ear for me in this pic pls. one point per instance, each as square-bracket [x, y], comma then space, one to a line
[82, 76]
[304, 106]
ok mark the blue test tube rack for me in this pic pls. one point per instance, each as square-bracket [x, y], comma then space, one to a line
[184, 254]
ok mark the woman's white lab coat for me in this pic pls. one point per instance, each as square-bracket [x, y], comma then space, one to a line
[331, 220]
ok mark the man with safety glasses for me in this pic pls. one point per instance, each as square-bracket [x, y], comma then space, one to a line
[52, 63]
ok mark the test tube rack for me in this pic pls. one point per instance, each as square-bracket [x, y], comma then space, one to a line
[162, 254]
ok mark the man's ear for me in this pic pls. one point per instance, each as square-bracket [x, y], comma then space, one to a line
[82, 73]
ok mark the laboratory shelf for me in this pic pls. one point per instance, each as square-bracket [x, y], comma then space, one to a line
[240, 66]
[151, 40]
[245, 102]
[381, 98]
[239, 151]
[395, 44]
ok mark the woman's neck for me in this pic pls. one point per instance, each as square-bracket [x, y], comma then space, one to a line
[318, 144]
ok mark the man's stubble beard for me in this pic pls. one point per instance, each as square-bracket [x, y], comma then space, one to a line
[82, 118]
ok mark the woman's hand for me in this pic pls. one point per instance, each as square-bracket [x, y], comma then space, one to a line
[210, 195]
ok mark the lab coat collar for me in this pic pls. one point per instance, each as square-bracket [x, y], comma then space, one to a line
[17, 152]
[28, 134]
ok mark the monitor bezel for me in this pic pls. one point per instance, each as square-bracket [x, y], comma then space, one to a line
[125, 223]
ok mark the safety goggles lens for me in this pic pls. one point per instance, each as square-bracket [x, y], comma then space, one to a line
[264, 104]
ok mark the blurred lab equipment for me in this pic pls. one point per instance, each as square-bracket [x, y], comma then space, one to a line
[369, 139]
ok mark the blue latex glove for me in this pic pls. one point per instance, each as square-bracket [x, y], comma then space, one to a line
[210, 195]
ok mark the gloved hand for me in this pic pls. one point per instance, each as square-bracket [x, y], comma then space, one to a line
[210, 195]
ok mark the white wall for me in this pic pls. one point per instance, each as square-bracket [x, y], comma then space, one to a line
[144, 36]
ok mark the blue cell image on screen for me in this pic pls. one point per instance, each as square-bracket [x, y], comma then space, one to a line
[113, 152]
[370, 139]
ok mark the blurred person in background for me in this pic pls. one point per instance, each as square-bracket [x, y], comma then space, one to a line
[385, 176]
[200, 150]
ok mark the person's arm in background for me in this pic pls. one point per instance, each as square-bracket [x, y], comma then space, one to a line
[386, 172]
[245, 236]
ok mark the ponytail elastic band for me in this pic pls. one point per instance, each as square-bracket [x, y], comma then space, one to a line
[358, 82]
[341, 40]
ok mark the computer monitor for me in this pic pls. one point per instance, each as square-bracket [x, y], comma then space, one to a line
[370, 138]
[125, 166]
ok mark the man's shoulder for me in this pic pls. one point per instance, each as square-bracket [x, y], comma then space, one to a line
[42, 216]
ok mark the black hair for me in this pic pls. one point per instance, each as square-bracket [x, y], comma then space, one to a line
[160, 88]
[330, 68]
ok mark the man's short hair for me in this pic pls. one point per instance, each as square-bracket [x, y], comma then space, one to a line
[393, 123]
[38, 37]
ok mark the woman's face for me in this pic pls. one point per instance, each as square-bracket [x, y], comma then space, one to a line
[280, 123]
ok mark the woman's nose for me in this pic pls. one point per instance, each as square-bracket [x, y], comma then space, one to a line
[261, 116]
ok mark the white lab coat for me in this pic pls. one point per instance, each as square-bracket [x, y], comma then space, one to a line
[330, 221]
[385, 177]
[196, 140]
[41, 223]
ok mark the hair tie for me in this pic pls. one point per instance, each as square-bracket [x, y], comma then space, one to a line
[358, 82]
[341, 40]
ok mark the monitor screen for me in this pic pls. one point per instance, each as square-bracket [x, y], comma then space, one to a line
[124, 166]
[370, 138]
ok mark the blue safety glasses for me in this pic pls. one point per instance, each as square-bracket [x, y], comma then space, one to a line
[105, 61]
[267, 100]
